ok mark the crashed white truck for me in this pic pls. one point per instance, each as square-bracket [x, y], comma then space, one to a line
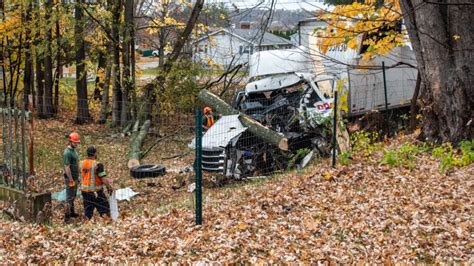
[286, 100]
[286, 96]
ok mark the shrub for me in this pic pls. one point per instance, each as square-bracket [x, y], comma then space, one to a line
[344, 158]
[450, 157]
[362, 141]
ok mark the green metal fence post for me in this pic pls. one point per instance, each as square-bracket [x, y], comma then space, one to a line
[334, 131]
[197, 167]
[385, 86]
[387, 118]
[23, 145]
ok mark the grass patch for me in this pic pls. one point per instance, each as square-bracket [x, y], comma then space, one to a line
[150, 71]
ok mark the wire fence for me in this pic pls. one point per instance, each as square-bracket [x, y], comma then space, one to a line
[16, 132]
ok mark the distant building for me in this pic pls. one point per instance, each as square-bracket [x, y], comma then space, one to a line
[224, 46]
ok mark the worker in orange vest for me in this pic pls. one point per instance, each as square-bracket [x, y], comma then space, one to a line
[71, 174]
[208, 119]
[94, 178]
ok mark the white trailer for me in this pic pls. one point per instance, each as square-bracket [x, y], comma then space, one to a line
[366, 87]
[270, 70]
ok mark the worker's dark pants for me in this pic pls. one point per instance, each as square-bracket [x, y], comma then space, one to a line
[70, 196]
[95, 200]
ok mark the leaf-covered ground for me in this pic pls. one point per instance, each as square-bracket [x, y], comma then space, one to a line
[365, 211]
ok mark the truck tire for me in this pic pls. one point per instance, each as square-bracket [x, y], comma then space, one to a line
[147, 170]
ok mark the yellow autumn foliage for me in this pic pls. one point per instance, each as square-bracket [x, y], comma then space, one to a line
[365, 24]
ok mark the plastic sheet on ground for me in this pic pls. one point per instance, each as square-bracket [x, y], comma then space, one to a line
[114, 213]
[124, 193]
[61, 195]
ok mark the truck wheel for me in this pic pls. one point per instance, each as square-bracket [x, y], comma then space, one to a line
[147, 170]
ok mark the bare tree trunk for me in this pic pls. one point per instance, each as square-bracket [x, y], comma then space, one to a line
[133, 95]
[59, 67]
[177, 49]
[39, 86]
[2, 55]
[161, 49]
[117, 92]
[413, 106]
[149, 100]
[48, 63]
[104, 107]
[28, 78]
[127, 80]
[17, 69]
[442, 34]
[83, 115]
[183, 37]
[100, 73]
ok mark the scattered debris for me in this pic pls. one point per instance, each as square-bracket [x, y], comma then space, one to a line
[306, 160]
[61, 195]
[147, 170]
[124, 194]
[153, 184]
[113, 204]
[192, 187]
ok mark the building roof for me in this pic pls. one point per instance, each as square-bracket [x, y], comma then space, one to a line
[253, 36]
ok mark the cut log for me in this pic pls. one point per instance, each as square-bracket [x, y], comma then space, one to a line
[254, 127]
[136, 142]
[126, 129]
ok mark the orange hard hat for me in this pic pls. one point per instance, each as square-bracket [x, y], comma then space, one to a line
[74, 137]
[207, 109]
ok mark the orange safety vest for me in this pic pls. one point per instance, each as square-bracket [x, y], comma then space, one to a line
[91, 182]
[210, 120]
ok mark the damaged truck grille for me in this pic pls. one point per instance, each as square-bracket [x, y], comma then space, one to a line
[213, 159]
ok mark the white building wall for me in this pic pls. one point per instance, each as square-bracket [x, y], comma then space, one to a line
[221, 48]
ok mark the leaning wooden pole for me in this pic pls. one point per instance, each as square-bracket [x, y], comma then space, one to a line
[254, 127]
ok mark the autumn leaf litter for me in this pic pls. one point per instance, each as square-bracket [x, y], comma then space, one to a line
[365, 211]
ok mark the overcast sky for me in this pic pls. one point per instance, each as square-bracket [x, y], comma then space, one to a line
[280, 4]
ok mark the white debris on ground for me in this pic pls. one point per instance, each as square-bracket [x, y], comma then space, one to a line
[125, 193]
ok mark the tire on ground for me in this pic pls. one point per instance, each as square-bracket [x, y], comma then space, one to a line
[147, 170]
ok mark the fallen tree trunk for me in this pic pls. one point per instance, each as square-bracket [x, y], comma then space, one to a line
[136, 142]
[254, 127]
